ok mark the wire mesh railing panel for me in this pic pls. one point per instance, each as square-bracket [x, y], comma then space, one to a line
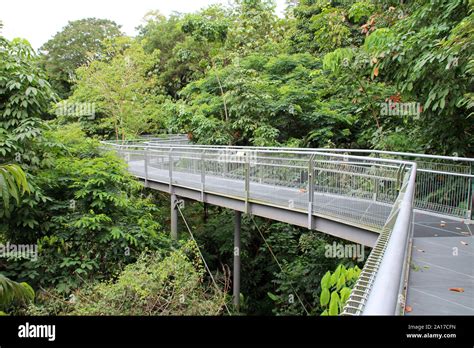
[280, 179]
[443, 193]
[368, 188]
[444, 184]
[224, 172]
[135, 160]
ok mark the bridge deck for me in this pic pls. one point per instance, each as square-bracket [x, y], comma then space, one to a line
[442, 258]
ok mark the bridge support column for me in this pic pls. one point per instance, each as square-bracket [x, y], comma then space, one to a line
[236, 271]
[174, 217]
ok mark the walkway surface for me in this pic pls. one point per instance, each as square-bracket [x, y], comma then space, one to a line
[442, 259]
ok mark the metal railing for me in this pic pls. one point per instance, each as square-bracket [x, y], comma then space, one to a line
[354, 189]
[444, 185]
[374, 190]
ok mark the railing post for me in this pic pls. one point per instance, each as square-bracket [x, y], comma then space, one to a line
[310, 191]
[247, 183]
[203, 174]
[170, 166]
[146, 165]
[236, 270]
[470, 200]
[376, 189]
[174, 217]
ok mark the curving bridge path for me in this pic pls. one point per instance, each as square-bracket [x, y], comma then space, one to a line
[413, 210]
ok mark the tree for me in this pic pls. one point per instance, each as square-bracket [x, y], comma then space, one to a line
[25, 96]
[188, 44]
[255, 27]
[428, 56]
[270, 101]
[123, 91]
[78, 43]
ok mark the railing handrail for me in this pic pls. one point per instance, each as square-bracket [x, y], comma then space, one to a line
[171, 147]
[385, 298]
[275, 148]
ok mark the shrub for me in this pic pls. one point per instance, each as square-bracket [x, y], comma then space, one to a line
[156, 284]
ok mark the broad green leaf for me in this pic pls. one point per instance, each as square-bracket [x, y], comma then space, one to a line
[325, 296]
[341, 282]
[345, 293]
[334, 304]
[325, 281]
[273, 297]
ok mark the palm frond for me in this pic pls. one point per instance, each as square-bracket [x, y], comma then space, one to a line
[13, 183]
[11, 291]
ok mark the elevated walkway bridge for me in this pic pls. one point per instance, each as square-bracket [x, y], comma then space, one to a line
[413, 210]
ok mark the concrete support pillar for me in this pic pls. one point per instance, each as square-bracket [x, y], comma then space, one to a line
[174, 217]
[236, 271]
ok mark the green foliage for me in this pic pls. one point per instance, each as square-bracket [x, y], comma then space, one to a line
[255, 27]
[122, 91]
[94, 221]
[157, 284]
[361, 10]
[13, 293]
[24, 97]
[425, 54]
[298, 282]
[259, 96]
[338, 59]
[12, 184]
[336, 289]
[78, 43]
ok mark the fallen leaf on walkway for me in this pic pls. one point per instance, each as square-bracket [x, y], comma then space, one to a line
[463, 243]
[408, 309]
[456, 289]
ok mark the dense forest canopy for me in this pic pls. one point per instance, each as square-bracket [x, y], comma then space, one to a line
[389, 75]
